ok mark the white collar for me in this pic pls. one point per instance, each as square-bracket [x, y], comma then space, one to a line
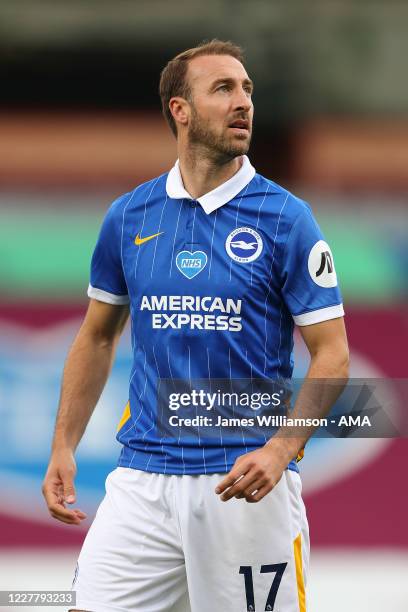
[217, 197]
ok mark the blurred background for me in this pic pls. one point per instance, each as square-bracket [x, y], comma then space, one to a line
[80, 123]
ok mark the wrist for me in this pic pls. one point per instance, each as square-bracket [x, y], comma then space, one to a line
[66, 436]
[62, 445]
[287, 448]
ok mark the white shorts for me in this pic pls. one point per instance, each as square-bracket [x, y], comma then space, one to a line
[166, 543]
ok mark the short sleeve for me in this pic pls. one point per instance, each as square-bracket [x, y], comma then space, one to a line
[310, 289]
[107, 281]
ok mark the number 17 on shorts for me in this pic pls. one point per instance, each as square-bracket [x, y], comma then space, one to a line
[275, 570]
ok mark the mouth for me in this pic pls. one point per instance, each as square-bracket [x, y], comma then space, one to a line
[240, 126]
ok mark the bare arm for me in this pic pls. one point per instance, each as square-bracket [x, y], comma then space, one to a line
[262, 469]
[86, 370]
[328, 348]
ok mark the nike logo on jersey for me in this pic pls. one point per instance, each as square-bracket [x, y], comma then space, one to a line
[139, 240]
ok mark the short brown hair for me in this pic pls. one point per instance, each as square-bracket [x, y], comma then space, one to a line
[173, 76]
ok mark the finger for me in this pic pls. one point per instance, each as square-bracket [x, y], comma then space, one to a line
[255, 485]
[236, 473]
[259, 494]
[69, 489]
[58, 511]
[80, 514]
[225, 495]
[51, 493]
[228, 481]
[61, 510]
[67, 521]
[64, 518]
[69, 516]
[264, 490]
[239, 486]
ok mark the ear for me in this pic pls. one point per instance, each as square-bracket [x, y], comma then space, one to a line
[180, 110]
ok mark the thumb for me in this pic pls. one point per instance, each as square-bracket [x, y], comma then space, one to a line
[69, 490]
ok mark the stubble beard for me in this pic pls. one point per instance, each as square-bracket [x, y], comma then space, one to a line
[219, 148]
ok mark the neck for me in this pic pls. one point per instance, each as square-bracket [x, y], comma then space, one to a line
[202, 174]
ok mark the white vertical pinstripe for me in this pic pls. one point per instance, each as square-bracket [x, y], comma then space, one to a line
[175, 236]
[280, 337]
[158, 376]
[134, 422]
[189, 366]
[132, 328]
[270, 279]
[190, 384]
[208, 364]
[141, 404]
[158, 230]
[144, 218]
[146, 432]
[209, 381]
[192, 229]
[182, 458]
[155, 360]
[212, 240]
[252, 378]
[239, 204]
[134, 372]
[144, 371]
[171, 376]
[249, 363]
[130, 383]
[236, 225]
[221, 438]
[168, 361]
[204, 464]
[123, 221]
[257, 223]
[260, 206]
[181, 448]
[232, 391]
[161, 439]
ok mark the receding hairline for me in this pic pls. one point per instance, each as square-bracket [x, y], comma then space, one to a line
[225, 77]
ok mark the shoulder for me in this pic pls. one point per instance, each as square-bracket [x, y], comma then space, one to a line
[137, 195]
[289, 206]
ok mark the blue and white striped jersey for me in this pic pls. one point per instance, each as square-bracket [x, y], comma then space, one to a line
[215, 285]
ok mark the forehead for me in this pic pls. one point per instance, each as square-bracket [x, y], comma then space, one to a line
[205, 69]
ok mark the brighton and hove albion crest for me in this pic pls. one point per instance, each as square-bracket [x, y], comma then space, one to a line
[244, 244]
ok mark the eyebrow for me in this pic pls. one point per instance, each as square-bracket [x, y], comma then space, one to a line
[231, 82]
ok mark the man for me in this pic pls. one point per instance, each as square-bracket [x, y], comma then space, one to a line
[217, 263]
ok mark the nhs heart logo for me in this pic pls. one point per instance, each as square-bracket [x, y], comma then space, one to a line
[190, 264]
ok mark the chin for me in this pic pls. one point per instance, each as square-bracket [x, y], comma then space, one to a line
[238, 148]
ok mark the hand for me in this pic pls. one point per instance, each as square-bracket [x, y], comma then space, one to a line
[58, 488]
[254, 474]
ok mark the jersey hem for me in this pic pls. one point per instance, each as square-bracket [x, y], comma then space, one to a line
[187, 471]
[318, 316]
[105, 296]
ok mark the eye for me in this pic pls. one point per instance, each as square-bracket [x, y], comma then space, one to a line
[224, 87]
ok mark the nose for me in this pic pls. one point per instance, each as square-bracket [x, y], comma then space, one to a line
[242, 100]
